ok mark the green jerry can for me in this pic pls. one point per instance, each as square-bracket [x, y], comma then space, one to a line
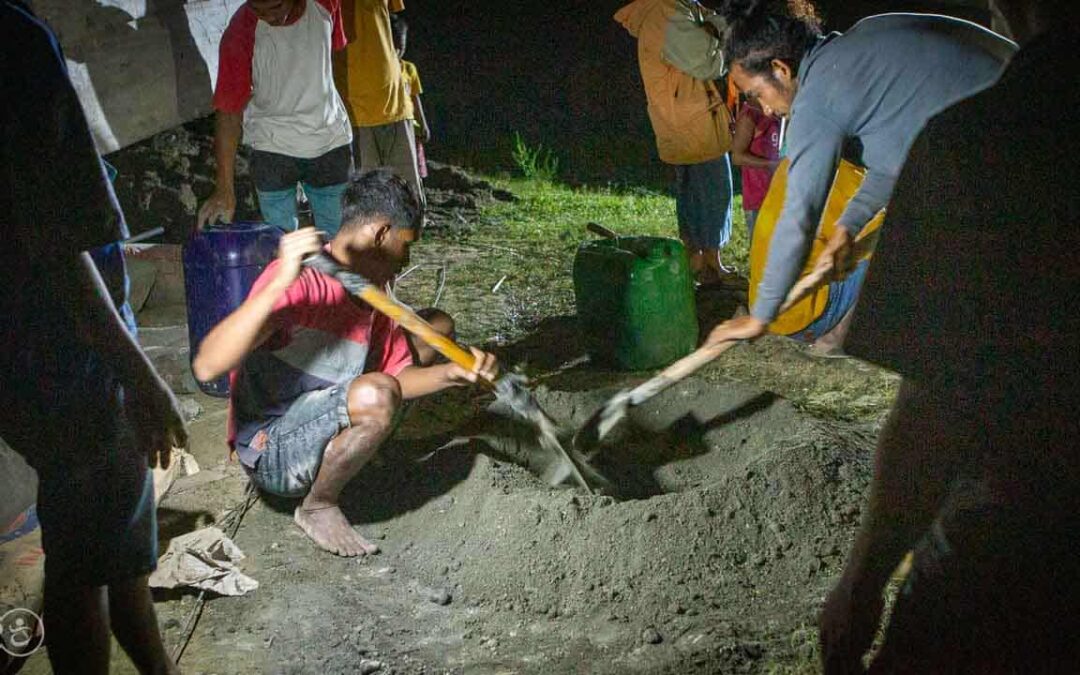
[635, 301]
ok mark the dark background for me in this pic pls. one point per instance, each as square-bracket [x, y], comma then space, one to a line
[561, 73]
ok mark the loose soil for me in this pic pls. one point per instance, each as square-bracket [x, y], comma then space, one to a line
[736, 502]
[736, 511]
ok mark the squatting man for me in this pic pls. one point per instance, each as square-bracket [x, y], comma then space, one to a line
[317, 376]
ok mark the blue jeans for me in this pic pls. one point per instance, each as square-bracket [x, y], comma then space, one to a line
[324, 179]
[278, 207]
[842, 297]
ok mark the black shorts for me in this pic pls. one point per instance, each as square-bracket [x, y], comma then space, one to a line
[272, 171]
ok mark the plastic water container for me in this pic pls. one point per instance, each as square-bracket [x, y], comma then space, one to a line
[635, 301]
[221, 264]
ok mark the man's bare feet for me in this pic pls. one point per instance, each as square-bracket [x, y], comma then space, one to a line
[327, 526]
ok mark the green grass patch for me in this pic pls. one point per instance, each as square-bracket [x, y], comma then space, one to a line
[559, 213]
[513, 268]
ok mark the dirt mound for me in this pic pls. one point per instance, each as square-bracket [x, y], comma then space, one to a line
[163, 179]
[721, 561]
[454, 197]
[740, 523]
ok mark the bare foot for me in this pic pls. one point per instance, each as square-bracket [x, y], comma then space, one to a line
[327, 526]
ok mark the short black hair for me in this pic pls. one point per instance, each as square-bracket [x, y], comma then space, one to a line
[380, 194]
[399, 30]
[760, 31]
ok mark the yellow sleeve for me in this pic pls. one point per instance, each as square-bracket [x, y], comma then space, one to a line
[411, 74]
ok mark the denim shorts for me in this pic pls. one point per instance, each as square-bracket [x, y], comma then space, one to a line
[291, 446]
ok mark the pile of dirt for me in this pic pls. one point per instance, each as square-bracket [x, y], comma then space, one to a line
[163, 180]
[454, 197]
[744, 509]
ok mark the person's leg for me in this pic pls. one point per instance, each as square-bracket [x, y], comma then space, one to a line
[99, 534]
[683, 216]
[275, 179]
[829, 331]
[751, 219]
[326, 206]
[703, 209]
[325, 180]
[77, 627]
[372, 400]
[423, 353]
[278, 208]
[715, 196]
[134, 623]
[365, 149]
[404, 160]
[831, 344]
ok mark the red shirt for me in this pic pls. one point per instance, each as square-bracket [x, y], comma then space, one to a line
[324, 338]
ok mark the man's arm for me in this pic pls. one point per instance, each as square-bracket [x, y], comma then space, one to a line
[815, 144]
[690, 43]
[872, 196]
[421, 117]
[221, 205]
[151, 407]
[231, 96]
[814, 149]
[419, 381]
[228, 344]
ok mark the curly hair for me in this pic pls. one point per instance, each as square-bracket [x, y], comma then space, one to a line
[760, 31]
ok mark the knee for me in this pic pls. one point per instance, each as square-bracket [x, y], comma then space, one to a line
[439, 320]
[374, 397]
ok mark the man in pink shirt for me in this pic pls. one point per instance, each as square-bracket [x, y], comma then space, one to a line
[317, 375]
[275, 90]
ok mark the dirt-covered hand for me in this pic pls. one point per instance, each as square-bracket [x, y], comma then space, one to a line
[156, 421]
[838, 258]
[847, 626]
[292, 249]
[486, 367]
[739, 328]
[220, 206]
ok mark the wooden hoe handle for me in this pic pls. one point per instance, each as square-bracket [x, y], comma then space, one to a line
[417, 326]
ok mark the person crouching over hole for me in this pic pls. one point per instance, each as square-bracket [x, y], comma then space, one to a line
[317, 375]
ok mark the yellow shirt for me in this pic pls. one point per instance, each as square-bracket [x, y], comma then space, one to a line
[846, 183]
[412, 78]
[368, 72]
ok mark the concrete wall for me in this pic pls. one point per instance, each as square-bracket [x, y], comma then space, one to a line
[141, 66]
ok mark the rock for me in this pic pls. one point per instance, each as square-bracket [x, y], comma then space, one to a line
[367, 666]
[440, 596]
[189, 408]
[651, 636]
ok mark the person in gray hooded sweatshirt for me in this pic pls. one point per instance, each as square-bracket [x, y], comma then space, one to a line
[872, 89]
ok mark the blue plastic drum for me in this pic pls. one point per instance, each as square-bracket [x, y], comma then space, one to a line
[221, 264]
